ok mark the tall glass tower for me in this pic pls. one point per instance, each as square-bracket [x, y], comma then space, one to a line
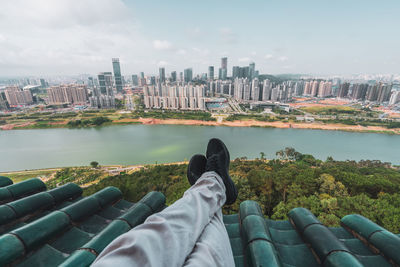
[211, 72]
[117, 74]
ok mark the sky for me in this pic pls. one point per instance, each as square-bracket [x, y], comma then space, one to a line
[66, 37]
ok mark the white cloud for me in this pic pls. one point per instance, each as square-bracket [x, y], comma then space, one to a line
[228, 36]
[162, 45]
[181, 52]
[244, 59]
[283, 58]
[67, 37]
[195, 33]
[162, 63]
[269, 56]
[200, 51]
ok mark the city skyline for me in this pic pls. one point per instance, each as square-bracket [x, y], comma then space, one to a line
[64, 38]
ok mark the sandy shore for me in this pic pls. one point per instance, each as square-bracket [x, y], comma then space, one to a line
[275, 124]
[243, 123]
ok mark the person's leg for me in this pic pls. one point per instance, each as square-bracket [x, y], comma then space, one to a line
[213, 247]
[168, 237]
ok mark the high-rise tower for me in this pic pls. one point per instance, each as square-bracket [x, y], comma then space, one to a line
[117, 74]
[211, 72]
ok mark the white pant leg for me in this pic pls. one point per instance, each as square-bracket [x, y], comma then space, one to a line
[213, 247]
[168, 237]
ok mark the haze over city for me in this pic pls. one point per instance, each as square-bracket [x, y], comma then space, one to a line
[310, 37]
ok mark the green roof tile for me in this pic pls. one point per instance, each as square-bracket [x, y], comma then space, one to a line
[155, 200]
[374, 261]
[322, 240]
[296, 255]
[233, 230]
[262, 253]
[11, 248]
[45, 256]
[237, 246]
[110, 213]
[31, 203]
[26, 187]
[341, 233]
[7, 214]
[107, 196]
[105, 237]
[302, 218]
[64, 228]
[123, 205]
[249, 207]
[254, 228]
[360, 225]
[80, 258]
[82, 209]
[137, 214]
[279, 225]
[285, 237]
[239, 261]
[357, 247]
[71, 240]
[65, 192]
[388, 244]
[42, 230]
[94, 224]
[342, 259]
[4, 181]
[232, 218]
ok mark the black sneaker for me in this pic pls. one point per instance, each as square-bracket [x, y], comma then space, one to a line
[215, 146]
[196, 167]
[218, 161]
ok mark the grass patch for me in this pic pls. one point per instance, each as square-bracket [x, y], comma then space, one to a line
[331, 110]
[20, 176]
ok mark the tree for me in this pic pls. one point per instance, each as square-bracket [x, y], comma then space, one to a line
[289, 153]
[94, 164]
[262, 155]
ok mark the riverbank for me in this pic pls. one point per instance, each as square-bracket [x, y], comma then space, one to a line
[274, 124]
[236, 123]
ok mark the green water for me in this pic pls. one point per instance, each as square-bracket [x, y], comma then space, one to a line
[138, 144]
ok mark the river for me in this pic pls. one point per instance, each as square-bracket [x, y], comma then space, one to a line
[140, 144]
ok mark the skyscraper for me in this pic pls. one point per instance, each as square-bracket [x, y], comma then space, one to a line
[211, 72]
[255, 90]
[224, 63]
[135, 80]
[117, 74]
[162, 75]
[235, 72]
[42, 83]
[224, 68]
[105, 83]
[188, 74]
[173, 76]
[252, 70]
[267, 86]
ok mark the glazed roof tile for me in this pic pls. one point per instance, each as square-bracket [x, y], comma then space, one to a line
[60, 227]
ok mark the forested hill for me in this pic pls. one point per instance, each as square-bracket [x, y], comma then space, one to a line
[330, 189]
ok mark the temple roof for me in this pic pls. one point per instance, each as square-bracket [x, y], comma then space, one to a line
[40, 227]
